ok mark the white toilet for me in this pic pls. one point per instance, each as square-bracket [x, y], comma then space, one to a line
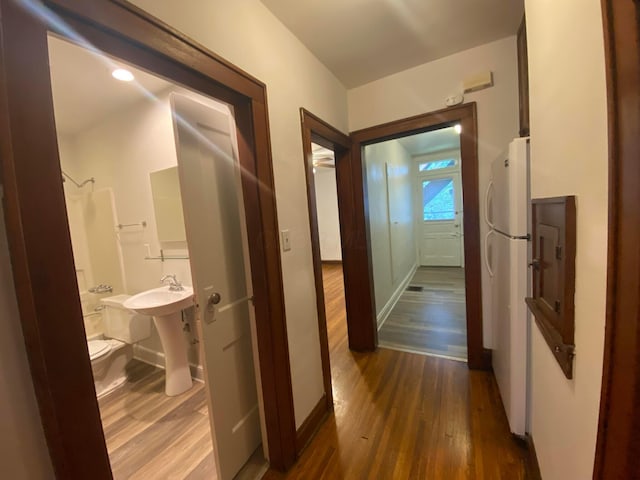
[109, 356]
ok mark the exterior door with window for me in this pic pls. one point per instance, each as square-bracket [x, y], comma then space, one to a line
[440, 197]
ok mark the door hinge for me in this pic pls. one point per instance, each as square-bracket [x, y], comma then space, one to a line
[558, 253]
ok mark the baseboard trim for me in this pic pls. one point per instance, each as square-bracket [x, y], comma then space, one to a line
[400, 348]
[312, 423]
[386, 310]
[156, 359]
[331, 262]
[533, 467]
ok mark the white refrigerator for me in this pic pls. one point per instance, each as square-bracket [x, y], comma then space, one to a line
[507, 256]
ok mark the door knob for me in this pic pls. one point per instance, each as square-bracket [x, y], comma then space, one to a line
[213, 300]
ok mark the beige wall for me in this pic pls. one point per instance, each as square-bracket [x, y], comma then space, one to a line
[389, 184]
[424, 88]
[569, 157]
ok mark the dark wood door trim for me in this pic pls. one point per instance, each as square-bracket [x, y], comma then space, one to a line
[618, 443]
[39, 240]
[316, 130]
[358, 296]
[523, 78]
[478, 357]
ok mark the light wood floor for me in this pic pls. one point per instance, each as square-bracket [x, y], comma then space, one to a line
[152, 436]
[405, 416]
[430, 316]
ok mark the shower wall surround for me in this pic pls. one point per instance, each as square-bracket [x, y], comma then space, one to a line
[96, 251]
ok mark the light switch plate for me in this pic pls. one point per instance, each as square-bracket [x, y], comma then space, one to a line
[286, 240]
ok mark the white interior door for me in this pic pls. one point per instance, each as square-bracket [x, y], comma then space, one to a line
[216, 235]
[440, 200]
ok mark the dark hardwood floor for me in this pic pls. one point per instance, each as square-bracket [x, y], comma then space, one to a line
[430, 316]
[405, 416]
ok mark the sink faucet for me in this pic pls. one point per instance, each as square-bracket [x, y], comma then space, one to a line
[174, 284]
[102, 288]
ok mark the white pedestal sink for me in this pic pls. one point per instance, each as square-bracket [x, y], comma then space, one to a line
[165, 306]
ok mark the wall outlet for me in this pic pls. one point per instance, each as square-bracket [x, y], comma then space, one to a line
[286, 240]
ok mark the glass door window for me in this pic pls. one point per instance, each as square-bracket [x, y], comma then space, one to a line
[438, 199]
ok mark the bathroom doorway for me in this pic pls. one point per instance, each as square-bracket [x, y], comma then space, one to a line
[153, 193]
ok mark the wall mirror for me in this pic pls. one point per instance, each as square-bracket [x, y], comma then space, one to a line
[167, 205]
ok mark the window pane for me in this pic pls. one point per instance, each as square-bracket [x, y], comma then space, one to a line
[437, 165]
[438, 199]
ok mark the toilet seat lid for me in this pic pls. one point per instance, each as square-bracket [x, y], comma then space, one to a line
[98, 348]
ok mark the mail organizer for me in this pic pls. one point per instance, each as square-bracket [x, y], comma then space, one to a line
[553, 268]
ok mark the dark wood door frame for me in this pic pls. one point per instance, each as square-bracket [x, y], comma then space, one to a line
[358, 296]
[618, 444]
[318, 131]
[465, 115]
[40, 244]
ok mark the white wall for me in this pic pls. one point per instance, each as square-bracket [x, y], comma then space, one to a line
[569, 156]
[23, 451]
[247, 34]
[424, 88]
[327, 208]
[389, 185]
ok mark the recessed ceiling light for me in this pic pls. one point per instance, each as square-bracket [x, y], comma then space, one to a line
[458, 129]
[122, 75]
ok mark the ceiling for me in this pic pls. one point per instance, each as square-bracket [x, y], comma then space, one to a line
[84, 92]
[431, 142]
[364, 40]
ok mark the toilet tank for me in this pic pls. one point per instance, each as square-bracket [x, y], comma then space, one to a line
[123, 324]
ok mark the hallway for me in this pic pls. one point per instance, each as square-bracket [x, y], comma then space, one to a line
[406, 416]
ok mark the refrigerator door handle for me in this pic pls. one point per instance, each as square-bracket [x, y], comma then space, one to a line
[486, 253]
[486, 204]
